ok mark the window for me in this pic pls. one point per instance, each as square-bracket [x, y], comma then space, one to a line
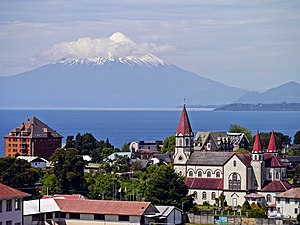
[74, 215]
[123, 218]
[49, 216]
[99, 217]
[268, 198]
[208, 174]
[234, 163]
[234, 182]
[213, 195]
[18, 204]
[278, 200]
[270, 175]
[180, 142]
[277, 175]
[17, 223]
[9, 222]
[8, 205]
[287, 200]
[199, 174]
[180, 158]
[208, 146]
[0, 206]
[255, 157]
[218, 174]
[296, 211]
[187, 142]
[204, 195]
[190, 173]
[195, 195]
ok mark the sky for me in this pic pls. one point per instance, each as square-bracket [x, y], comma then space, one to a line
[254, 45]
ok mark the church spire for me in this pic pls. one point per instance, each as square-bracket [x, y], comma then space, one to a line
[272, 144]
[184, 126]
[257, 144]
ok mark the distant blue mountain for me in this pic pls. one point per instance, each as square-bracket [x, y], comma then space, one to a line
[288, 92]
[122, 82]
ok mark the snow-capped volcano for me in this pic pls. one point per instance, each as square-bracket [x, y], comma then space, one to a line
[148, 60]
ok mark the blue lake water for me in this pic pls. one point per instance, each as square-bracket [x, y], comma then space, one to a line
[123, 126]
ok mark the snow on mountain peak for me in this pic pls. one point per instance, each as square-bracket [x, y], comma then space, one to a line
[120, 37]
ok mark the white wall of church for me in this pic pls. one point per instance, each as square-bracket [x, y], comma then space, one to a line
[201, 196]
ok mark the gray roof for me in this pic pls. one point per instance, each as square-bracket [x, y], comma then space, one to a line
[209, 158]
[46, 205]
[34, 128]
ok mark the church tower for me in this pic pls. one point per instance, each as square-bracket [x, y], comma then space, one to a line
[184, 141]
[272, 148]
[257, 164]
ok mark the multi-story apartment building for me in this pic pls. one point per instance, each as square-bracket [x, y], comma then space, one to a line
[32, 138]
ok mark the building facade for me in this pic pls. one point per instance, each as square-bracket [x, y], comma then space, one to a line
[209, 174]
[11, 205]
[32, 138]
[288, 203]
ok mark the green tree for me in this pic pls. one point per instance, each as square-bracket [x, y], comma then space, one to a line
[18, 173]
[68, 170]
[169, 145]
[241, 150]
[49, 182]
[103, 186]
[297, 137]
[235, 128]
[296, 178]
[280, 139]
[298, 218]
[246, 206]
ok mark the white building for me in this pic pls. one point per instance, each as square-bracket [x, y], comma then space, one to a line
[11, 205]
[35, 161]
[288, 203]
[236, 175]
[169, 215]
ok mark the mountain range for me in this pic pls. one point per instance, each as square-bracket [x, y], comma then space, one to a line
[144, 81]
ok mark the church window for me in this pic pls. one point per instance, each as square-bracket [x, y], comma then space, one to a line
[255, 157]
[277, 175]
[191, 174]
[218, 174]
[270, 175]
[195, 195]
[187, 142]
[213, 195]
[282, 174]
[268, 198]
[234, 163]
[199, 174]
[208, 146]
[180, 158]
[180, 172]
[234, 182]
[208, 174]
[180, 142]
[204, 195]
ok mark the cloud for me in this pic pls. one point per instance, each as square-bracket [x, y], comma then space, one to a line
[117, 45]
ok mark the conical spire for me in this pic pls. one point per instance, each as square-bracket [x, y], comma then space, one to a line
[257, 144]
[272, 144]
[184, 126]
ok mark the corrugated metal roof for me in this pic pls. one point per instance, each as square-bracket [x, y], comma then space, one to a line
[103, 207]
[292, 193]
[8, 192]
[209, 158]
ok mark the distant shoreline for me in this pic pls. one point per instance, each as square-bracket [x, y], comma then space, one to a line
[279, 107]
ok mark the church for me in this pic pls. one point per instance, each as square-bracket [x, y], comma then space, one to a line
[258, 176]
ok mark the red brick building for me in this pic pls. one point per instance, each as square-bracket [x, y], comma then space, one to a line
[32, 138]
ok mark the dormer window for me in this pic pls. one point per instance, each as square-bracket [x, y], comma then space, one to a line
[234, 163]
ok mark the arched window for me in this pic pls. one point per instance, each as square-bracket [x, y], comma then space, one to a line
[195, 195]
[191, 173]
[208, 174]
[270, 175]
[277, 175]
[213, 195]
[199, 174]
[180, 172]
[234, 181]
[204, 195]
[218, 174]
[268, 198]
[234, 163]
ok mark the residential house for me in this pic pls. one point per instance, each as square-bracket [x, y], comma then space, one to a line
[143, 145]
[11, 205]
[35, 161]
[288, 203]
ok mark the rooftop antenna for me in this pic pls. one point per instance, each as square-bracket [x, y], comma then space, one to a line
[184, 101]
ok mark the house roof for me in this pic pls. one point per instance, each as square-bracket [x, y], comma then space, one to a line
[204, 183]
[37, 206]
[272, 160]
[257, 144]
[70, 197]
[103, 207]
[245, 158]
[272, 144]
[292, 193]
[32, 159]
[184, 126]
[253, 195]
[33, 128]
[277, 186]
[8, 192]
[166, 210]
[209, 158]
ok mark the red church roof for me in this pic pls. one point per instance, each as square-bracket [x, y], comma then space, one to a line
[271, 160]
[204, 183]
[184, 126]
[272, 144]
[257, 144]
[277, 186]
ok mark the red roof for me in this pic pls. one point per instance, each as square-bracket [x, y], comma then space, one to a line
[257, 144]
[184, 126]
[8, 192]
[272, 144]
[246, 158]
[292, 193]
[272, 160]
[277, 186]
[204, 183]
[103, 207]
[70, 197]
